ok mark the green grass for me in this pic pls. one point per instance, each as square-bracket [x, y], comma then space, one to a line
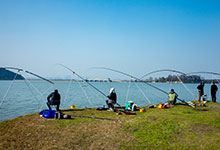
[180, 127]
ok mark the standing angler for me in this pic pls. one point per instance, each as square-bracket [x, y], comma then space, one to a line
[214, 89]
[54, 99]
[200, 88]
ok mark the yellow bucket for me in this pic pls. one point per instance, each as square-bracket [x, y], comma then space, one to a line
[142, 110]
[73, 106]
[161, 106]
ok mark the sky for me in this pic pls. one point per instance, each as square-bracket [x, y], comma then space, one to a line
[134, 36]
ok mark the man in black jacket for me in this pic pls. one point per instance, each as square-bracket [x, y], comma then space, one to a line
[214, 89]
[112, 99]
[54, 99]
[200, 88]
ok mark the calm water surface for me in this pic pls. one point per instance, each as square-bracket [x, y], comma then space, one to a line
[31, 96]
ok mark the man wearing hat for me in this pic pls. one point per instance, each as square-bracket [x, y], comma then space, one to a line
[112, 99]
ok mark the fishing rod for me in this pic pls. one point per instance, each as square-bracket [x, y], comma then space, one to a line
[19, 69]
[138, 80]
[93, 117]
[161, 70]
[85, 81]
[39, 77]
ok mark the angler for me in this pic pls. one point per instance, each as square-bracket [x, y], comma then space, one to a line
[112, 99]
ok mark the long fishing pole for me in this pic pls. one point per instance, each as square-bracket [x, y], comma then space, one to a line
[39, 77]
[19, 69]
[93, 117]
[85, 81]
[138, 80]
[161, 70]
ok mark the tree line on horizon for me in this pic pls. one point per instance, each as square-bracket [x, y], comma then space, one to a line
[180, 78]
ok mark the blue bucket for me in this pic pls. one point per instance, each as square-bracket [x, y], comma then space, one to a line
[48, 113]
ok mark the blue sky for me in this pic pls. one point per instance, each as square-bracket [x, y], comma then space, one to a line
[129, 35]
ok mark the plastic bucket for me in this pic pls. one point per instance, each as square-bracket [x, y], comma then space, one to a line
[73, 106]
[142, 110]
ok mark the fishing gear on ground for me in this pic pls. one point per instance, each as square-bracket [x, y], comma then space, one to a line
[47, 113]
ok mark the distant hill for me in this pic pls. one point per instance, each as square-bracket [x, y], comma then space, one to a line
[9, 75]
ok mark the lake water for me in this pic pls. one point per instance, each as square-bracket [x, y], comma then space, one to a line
[25, 97]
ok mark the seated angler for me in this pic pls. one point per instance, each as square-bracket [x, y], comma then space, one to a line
[112, 99]
[54, 99]
[172, 97]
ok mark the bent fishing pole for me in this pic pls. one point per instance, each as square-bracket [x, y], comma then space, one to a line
[19, 69]
[162, 70]
[85, 81]
[138, 80]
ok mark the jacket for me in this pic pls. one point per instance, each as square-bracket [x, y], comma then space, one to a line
[54, 98]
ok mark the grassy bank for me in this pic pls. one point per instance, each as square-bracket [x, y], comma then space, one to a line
[180, 127]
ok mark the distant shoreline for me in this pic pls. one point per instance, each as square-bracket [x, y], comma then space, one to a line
[120, 81]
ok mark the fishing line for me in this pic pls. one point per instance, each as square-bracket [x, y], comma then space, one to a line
[91, 90]
[185, 86]
[143, 93]
[67, 92]
[32, 94]
[171, 83]
[156, 94]
[8, 89]
[33, 86]
[85, 93]
[46, 91]
[129, 86]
